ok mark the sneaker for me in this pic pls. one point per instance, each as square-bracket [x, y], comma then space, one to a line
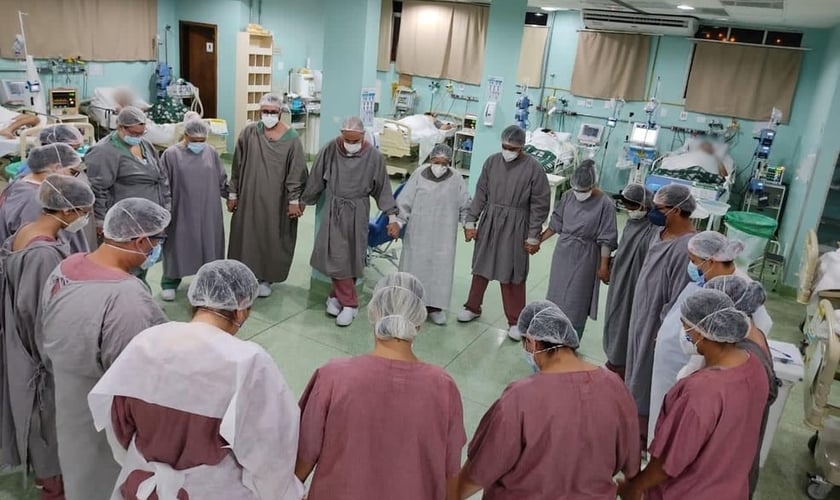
[346, 316]
[438, 317]
[333, 306]
[167, 295]
[514, 333]
[466, 316]
[265, 289]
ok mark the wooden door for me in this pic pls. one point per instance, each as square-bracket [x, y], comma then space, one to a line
[199, 62]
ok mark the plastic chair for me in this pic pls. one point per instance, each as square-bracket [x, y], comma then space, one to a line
[380, 245]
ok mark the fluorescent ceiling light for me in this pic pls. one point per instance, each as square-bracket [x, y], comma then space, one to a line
[685, 7]
[552, 9]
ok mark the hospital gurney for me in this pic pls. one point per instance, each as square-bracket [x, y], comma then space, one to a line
[822, 359]
[380, 245]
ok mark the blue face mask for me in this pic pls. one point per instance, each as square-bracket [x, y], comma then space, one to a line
[196, 147]
[152, 257]
[131, 140]
[696, 274]
[656, 217]
[529, 358]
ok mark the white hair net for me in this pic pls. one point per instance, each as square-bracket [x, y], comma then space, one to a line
[637, 193]
[225, 285]
[64, 192]
[544, 321]
[584, 176]
[714, 316]
[52, 156]
[748, 295]
[196, 128]
[191, 115]
[61, 133]
[134, 218]
[271, 100]
[676, 196]
[131, 115]
[396, 309]
[711, 245]
[513, 136]
[353, 124]
[441, 151]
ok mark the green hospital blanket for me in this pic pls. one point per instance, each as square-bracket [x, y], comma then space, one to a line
[547, 159]
[694, 174]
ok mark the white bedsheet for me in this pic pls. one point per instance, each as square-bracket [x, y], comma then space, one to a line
[683, 161]
[424, 134]
[559, 143]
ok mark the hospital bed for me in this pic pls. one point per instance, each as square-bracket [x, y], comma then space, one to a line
[415, 134]
[554, 150]
[102, 110]
[10, 148]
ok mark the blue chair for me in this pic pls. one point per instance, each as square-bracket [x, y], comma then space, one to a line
[379, 243]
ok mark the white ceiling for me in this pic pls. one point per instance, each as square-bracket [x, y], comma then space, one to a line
[764, 13]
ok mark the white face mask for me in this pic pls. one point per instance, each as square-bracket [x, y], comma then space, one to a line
[582, 196]
[352, 148]
[688, 346]
[637, 214]
[78, 224]
[439, 170]
[270, 121]
[509, 156]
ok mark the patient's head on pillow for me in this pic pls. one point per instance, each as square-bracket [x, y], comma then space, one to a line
[707, 147]
[123, 97]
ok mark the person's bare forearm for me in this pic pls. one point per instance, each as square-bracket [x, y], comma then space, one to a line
[652, 476]
[303, 469]
[466, 488]
[452, 488]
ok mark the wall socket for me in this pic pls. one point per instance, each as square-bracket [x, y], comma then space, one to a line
[683, 116]
[589, 103]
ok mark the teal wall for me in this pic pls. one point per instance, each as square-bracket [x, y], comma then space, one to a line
[138, 75]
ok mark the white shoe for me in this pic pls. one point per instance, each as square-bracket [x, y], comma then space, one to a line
[265, 289]
[333, 306]
[514, 333]
[438, 317]
[167, 295]
[346, 316]
[466, 316]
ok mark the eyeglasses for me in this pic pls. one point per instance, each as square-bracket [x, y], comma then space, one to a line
[269, 112]
[158, 238]
[510, 148]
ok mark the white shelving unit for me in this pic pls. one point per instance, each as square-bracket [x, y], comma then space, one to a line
[254, 56]
[463, 155]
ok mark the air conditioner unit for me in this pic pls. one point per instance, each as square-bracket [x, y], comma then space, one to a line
[634, 22]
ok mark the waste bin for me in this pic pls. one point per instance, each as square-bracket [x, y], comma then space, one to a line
[755, 230]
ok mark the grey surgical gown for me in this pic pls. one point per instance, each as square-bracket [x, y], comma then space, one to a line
[19, 206]
[661, 280]
[266, 175]
[626, 266]
[196, 234]
[115, 174]
[582, 228]
[28, 417]
[90, 313]
[349, 183]
[432, 207]
[511, 202]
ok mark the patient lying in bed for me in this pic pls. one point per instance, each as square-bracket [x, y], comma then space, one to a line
[698, 160]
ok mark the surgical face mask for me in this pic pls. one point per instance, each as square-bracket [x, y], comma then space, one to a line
[509, 156]
[78, 224]
[196, 147]
[582, 196]
[152, 257]
[656, 217]
[439, 170]
[529, 358]
[131, 140]
[695, 273]
[270, 121]
[351, 148]
[688, 346]
[637, 214]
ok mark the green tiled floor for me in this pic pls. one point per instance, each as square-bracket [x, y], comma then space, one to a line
[293, 327]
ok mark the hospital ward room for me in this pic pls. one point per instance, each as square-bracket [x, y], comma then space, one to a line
[419, 250]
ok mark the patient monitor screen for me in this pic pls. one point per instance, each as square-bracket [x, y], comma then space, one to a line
[64, 101]
[590, 134]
